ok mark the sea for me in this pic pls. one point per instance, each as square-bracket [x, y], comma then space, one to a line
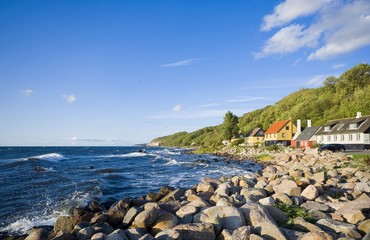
[39, 184]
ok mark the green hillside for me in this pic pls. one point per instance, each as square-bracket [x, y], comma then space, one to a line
[338, 98]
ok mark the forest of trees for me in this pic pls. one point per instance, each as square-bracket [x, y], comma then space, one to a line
[338, 98]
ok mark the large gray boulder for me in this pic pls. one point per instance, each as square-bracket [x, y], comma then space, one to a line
[229, 218]
[289, 187]
[310, 193]
[146, 218]
[118, 234]
[259, 217]
[165, 220]
[330, 225]
[196, 231]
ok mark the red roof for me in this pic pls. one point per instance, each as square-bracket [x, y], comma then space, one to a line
[276, 127]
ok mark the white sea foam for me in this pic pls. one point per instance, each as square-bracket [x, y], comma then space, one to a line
[128, 155]
[48, 157]
[172, 162]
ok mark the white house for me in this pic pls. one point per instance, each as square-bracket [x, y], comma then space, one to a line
[354, 133]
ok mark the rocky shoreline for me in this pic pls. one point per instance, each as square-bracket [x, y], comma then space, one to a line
[297, 195]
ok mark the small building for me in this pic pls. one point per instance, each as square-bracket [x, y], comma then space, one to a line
[353, 133]
[280, 133]
[306, 139]
[255, 137]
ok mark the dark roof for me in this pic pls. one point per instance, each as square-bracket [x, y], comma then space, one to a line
[307, 133]
[257, 132]
[341, 126]
[276, 127]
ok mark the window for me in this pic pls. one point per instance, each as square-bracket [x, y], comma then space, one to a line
[350, 137]
[339, 126]
[275, 135]
[335, 138]
[327, 129]
[287, 128]
[329, 138]
[358, 137]
[284, 135]
[352, 126]
[342, 137]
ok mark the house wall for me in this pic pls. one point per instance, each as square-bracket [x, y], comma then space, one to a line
[284, 134]
[251, 141]
[354, 138]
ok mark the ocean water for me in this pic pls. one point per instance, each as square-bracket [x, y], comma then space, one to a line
[38, 184]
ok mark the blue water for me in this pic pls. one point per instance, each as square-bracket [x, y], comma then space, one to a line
[38, 184]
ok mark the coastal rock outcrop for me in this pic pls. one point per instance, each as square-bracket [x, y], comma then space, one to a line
[316, 194]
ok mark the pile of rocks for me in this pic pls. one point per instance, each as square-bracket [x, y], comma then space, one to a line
[237, 207]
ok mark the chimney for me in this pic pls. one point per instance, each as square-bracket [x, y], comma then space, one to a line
[309, 123]
[358, 115]
[299, 128]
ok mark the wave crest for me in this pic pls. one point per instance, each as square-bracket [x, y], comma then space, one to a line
[48, 157]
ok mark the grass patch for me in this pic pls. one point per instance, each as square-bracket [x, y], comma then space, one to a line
[264, 157]
[293, 211]
[361, 161]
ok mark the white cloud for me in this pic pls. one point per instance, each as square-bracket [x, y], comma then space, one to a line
[27, 92]
[296, 62]
[70, 98]
[177, 108]
[209, 105]
[289, 10]
[337, 66]
[181, 63]
[338, 27]
[316, 81]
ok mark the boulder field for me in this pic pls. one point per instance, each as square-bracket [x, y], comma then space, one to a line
[298, 195]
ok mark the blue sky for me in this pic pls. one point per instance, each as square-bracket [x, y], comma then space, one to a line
[122, 72]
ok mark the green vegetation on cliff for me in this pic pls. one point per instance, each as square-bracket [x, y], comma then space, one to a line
[339, 97]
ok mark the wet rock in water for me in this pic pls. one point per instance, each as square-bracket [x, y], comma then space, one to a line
[153, 197]
[100, 218]
[95, 207]
[196, 231]
[103, 228]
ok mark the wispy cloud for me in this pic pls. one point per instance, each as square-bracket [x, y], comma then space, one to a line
[177, 108]
[70, 98]
[190, 114]
[181, 63]
[337, 66]
[209, 105]
[240, 100]
[316, 81]
[296, 62]
[338, 27]
[27, 92]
